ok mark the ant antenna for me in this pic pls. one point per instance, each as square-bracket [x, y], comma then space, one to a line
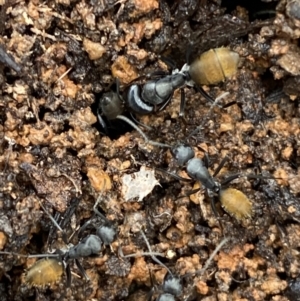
[147, 140]
[151, 253]
[209, 260]
[29, 256]
[51, 218]
[215, 103]
[98, 201]
[121, 254]
[64, 235]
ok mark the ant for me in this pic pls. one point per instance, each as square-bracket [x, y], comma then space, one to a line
[210, 67]
[106, 231]
[111, 106]
[172, 286]
[52, 266]
[233, 201]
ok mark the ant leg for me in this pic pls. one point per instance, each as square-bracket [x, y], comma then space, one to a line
[182, 103]
[42, 255]
[102, 122]
[249, 176]
[52, 231]
[82, 228]
[150, 294]
[230, 179]
[213, 206]
[229, 104]
[187, 194]
[82, 270]
[204, 94]
[69, 212]
[257, 183]
[142, 133]
[205, 159]
[68, 284]
[8, 60]
[215, 102]
[261, 177]
[118, 90]
[170, 63]
[209, 98]
[120, 253]
[69, 276]
[107, 232]
[177, 177]
[30, 256]
[174, 175]
[165, 103]
[51, 218]
[214, 209]
[150, 253]
[191, 192]
[221, 165]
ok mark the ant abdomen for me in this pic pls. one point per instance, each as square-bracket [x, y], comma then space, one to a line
[235, 203]
[214, 66]
[44, 272]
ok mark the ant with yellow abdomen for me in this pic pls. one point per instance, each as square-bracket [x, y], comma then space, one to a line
[52, 266]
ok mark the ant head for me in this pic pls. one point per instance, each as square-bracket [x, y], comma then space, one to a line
[182, 153]
[107, 232]
[110, 105]
[172, 285]
[165, 297]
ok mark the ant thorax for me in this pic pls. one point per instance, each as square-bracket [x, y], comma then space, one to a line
[65, 249]
[217, 187]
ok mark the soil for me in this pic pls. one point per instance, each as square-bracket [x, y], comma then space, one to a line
[58, 58]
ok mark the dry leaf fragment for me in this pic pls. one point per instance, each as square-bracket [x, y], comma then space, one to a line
[139, 184]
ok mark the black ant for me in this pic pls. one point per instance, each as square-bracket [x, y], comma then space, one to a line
[210, 67]
[53, 265]
[111, 106]
[233, 201]
[106, 231]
